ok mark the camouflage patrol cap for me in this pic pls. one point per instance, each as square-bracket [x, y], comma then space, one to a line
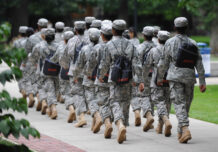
[163, 35]
[68, 35]
[156, 29]
[49, 31]
[42, 22]
[59, 25]
[148, 31]
[43, 30]
[106, 29]
[94, 34]
[22, 29]
[106, 22]
[89, 19]
[119, 24]
[79, 25]
[181, 22]
[67, 28]
[96, 23]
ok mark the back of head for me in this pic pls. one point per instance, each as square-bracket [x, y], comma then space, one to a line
[79, 27]
[42, 23]
[22, 30]
[59, 26]
[163, 36]
[49, 34]
[94, 34]
[148, 32]
[68, 35]
[181, 25]
[96, 24]
[119, 26]
[29, 31]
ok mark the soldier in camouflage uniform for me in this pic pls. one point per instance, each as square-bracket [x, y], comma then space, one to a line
[102, 89]
[88, 21]
[143, 100]
[68, 60]
[59, 28]
[88, 81]
[20, 43]
[155, 39]
[32, 84]
[120, 95]
[159, 95]
[47, 91]
[181, 80]
[64, 85]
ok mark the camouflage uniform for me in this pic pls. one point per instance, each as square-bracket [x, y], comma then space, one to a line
[67, 61]
[145, 95]
[120, 95]
[83, 58]
[181, 80]
[135, 41]
[47, 85]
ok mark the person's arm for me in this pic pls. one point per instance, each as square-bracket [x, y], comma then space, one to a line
[201, 73]
[64, 59]
[105, 63]
[80, 63]
[164, 63]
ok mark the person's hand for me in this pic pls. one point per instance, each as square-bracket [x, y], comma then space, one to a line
[23, 65]
[101, 80]
[159, 83]
[202, 88]
[141, 87]
[133, 84]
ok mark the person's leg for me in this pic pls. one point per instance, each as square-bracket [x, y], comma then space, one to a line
[178, 98]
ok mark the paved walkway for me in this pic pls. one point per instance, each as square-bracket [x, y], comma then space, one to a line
[205, 135]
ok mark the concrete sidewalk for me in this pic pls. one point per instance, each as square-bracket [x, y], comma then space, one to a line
[205, 135]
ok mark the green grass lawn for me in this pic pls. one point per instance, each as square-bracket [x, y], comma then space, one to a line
[205, 39]
[205, 105]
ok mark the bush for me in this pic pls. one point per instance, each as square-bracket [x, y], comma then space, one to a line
[12, 57]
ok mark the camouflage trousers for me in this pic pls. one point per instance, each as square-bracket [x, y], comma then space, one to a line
[22, 83]
[160, 98]
[101, 103]
[47, 90]
[120, 96]
[181, 96]
[76, 96]
[90, 98]
[141, 100]
[31, 84]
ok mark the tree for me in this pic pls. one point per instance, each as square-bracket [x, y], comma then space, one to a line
[207, 11]
[12, 57]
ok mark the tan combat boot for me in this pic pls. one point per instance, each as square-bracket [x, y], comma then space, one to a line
[31, 100]
[121, 132]
[98, 122]
[186, 135]
[54, 113]
[61, 99]
[39, 104]
[88, 112]
[23, 93]
[137, 118]
[149, 121]
[93, 123]
[159, 128]
[179, 135]
[44, 107]
[72, 114]
[168, 126]
[81, 122]
[48, 111]
[108, 128]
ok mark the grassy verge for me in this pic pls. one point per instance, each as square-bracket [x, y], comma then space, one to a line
[205, 39]
[205, 105]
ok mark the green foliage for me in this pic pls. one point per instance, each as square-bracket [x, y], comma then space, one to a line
[12, 57]
[205, 39]
[205, 105]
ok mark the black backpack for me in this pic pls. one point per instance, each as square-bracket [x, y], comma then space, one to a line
[122, 70]
[50, 68]
[187, 55]
[64, 74]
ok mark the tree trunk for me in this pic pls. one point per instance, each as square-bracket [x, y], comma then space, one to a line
[123, 10]
[18, 16]
[214, 36]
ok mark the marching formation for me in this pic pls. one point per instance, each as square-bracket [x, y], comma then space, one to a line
[100, 68]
